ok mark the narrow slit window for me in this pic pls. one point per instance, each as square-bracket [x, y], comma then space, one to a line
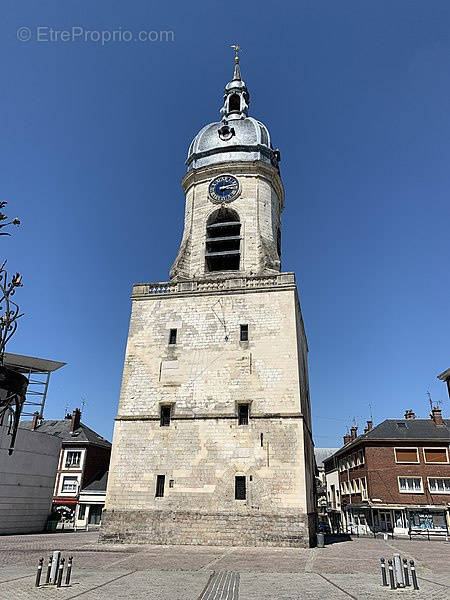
[239, 488]
[243, 413]
[165, 416]
[262, 439]
[160, 481]
[244, 333]
[172, 337]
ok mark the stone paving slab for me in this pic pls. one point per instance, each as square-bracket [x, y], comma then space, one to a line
[103, 572]
[117, 585]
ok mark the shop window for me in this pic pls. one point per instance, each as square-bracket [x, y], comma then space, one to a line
[427, 520]
[406, 455]
[436, 455]
[411, 485]
[95, 514]
[81, 512]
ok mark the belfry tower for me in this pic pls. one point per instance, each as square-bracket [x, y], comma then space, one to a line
[212, 441]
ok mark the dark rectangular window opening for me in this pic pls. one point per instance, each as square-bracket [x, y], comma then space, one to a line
[243, 412]
[160, 480]
[165, 416]
[172, 337]
[239, 488]
[244, 333]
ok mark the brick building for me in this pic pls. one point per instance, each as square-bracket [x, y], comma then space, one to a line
[396, 476]
[84, 454]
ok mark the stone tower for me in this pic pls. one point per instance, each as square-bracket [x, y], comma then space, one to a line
[212, 441]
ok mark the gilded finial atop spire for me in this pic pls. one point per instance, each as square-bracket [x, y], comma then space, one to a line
[236, 48]
[237, 71]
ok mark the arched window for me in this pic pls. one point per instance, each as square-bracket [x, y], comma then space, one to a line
[234, 103]
[223, 240]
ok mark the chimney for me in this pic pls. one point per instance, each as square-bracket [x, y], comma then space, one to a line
[436, 415]
[368, 427]
[346, 438]
[34, 422]
[353, 431]
[76, 416]
[409, 414]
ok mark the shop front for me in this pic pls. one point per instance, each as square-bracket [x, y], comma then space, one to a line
[432, 519]
[358, 519]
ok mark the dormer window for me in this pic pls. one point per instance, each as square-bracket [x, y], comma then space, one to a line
[234, 103]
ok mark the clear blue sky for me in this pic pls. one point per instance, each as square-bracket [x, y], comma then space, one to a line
[357, 97]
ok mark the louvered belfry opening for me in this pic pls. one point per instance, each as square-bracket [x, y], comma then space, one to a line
[223, 241]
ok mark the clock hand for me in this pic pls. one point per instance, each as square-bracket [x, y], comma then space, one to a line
[227, 187]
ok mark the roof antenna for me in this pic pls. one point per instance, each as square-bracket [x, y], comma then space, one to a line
[66, 410]
[430, 400]
[370, 412]
[83, 404]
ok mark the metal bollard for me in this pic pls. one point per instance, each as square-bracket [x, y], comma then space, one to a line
[414, 575]
[49, 568]
[55, 564]
[399, 575]
[405, 571]
[391, 575]
[39, 573]
[69, 570]
[383, 572]
[60, 573]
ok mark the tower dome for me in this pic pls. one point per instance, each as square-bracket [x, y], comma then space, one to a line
[237, 137]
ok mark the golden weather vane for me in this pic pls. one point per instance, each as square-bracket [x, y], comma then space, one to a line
[236, 49]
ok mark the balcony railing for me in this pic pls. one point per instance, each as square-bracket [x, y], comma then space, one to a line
[169, 288]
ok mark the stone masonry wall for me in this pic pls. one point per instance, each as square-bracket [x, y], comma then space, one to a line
[259, 208]
[189, 527]
[204, 377]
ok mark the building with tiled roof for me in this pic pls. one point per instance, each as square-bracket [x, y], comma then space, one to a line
[395, 477]
[84, 454]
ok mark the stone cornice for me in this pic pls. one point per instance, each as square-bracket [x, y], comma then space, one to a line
[230, 285]
[210, 417]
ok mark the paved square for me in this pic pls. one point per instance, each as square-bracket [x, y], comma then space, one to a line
[341, 570]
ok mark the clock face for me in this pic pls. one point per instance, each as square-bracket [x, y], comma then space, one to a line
[224, 188]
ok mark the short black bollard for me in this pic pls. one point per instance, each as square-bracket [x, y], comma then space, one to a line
[39, 573]
[383, 571]
[49, 568]
[69, 570]
[391, 575]
[60, 573]
[405, 571]
[414, 575]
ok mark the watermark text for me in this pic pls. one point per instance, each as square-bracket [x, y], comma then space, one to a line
[47, 34]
